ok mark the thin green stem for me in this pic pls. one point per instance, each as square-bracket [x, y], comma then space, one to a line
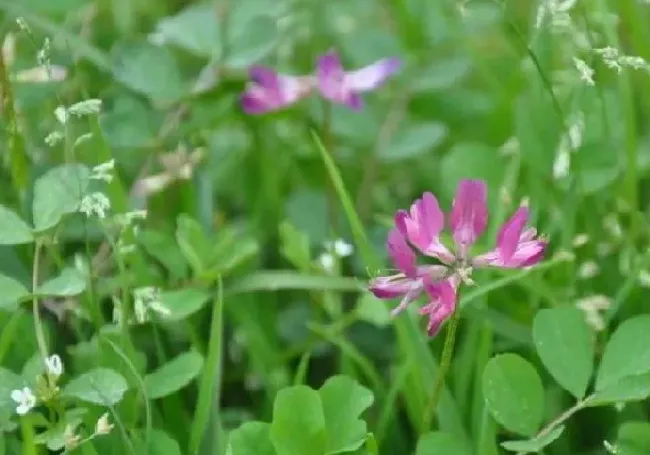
[445, 363]
[210, 385]
[27, 431]
[38, 326]
[561, 419]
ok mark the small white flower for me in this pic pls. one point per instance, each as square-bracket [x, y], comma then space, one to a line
[22, 24]
[147, 299]
[54, 365]
[103, 426]
[586, 72]
[43, 55]
[25, 400]
[342, 249]
[54, 138]
[83, 138]
[86, 107]
[326, 260]
[588, 270]
[592, 306]
[103, 171]
[580, 240]
[61, 114]
[95, 204]
[633, 61]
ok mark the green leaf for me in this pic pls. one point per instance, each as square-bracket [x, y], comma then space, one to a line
[298, 426]
[160, 443]
[344, 400]
[11, 293]
[273, 280]
[70, 282]
[629, 388]
[55, 437]
[164, 249]
[413, 141]
[514, 393]
[193, 242]
[194, 29]
[183, 302]
[439, 443]
[253, 43]
[441, 75]
[373, 310]
[99, 386]
[13, 230]
[149, 70]
[535, 444]
[9, 381]
[626, 354]
[252, 438]
[174, 375]
[295, 246]
[565, 346]
[634, 438]
[57, 193]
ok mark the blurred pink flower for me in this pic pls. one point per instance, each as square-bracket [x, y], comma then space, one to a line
[421, 226]
[270, 90]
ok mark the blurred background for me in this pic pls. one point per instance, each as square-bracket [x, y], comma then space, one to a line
[523, 94]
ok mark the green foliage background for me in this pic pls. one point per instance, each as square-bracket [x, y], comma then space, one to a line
[256, 325]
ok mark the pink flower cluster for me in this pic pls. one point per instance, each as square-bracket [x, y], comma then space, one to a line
[271, 91]
[516, 247]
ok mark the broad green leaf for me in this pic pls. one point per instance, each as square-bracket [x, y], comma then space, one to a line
[252, 438]
[9, 381]
[441, 75]
[254, 43]
[165, 250]
[13, 230]
[99, 386]
[373, 310]
[298, 426]
[174, 375]
[55, 437]
[535, 444]
[194, 29]
[413, 141]
[344, 400]
[565, 345]
[634, 438]
[229, 249]
[183, 302]
[11, 292]
[439, 443]
[193, 242]
[149, 70]
[514, 393]
[295, 246]
[70, 282]
[629, 388]
[160, 443]
[467, 160]
[57, 193]
[627, 353]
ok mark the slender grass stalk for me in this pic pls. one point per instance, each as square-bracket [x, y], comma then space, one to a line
[210, 385]
[38, 325]
[328, 143]
[445, 363]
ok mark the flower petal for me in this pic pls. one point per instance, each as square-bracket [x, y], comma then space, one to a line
[469, 213]
[372, 76]
[390, 287]
[422, 226]
[510, 233]
[331, 78]
[401, 253]
[442, 303]
[270, 90]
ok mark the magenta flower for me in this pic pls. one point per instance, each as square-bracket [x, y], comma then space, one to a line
[344, 87]
[270, 91]
[516, 247]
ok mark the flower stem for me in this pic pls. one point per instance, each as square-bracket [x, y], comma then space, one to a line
[329, 147]
[445, 363]
[38, 326]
